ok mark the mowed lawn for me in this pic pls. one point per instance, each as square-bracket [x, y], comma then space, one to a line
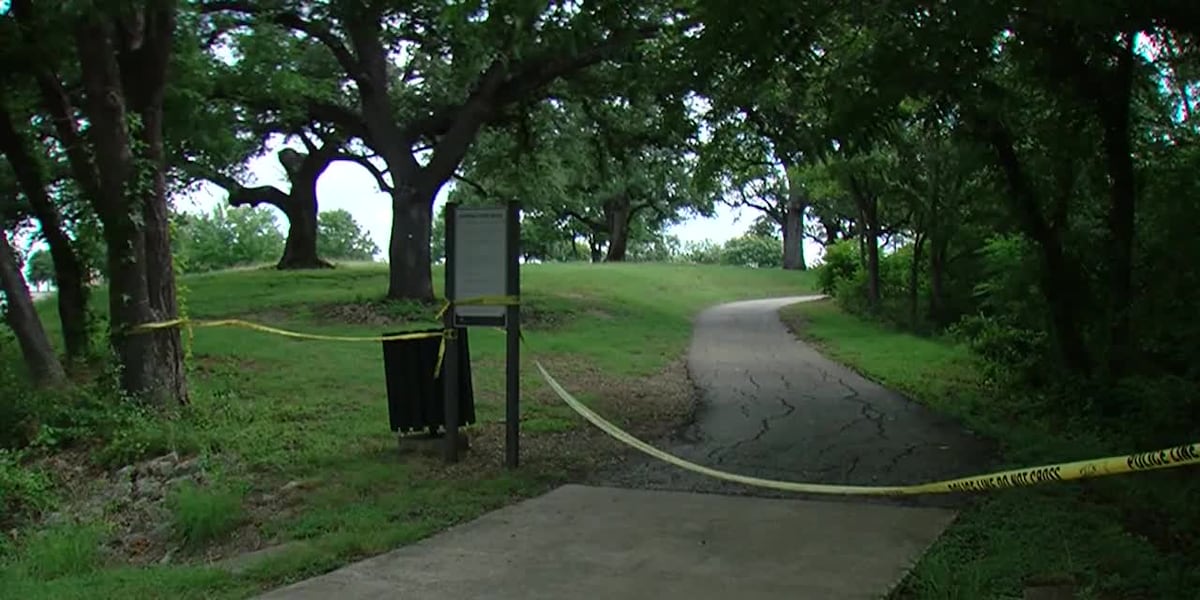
[1125, 537]
[293, 435]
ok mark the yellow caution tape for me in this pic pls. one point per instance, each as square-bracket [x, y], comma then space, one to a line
[283, 332]
[1085, 469]
[1188, 454]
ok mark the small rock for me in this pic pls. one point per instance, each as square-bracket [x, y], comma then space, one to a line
[168, 556]
[163, 466]
[190, 465]
[125, 473]
[147, 487]
[55, 518]
[122, 490]
[136, 541]
[175, 482]
[161, 531]
[289, 486]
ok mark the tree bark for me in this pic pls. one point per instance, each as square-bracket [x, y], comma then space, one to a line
[43, 364]
[617, 214]
[937, 267]
[72, 295]
[871, 235]
[793, 238]
[914, 280]
[833, 229]
[1060, 280]
[410, 275]
[130, 194]
[299, 206]
[169, 371]
[793, 223]
[1118, 153]
[868, 206]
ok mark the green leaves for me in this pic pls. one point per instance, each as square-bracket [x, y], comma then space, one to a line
[339, 237]
[227, 237]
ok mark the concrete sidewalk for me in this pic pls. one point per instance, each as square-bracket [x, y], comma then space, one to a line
[596, 542]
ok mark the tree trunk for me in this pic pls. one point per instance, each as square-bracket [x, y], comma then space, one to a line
[793, 237]
[169, 372]
[68, 269]
[870, 210]
[410, 276]
[617, 213]
[44, 366]
[793, 223]
[937, 267]
[1118, 154]
[301, 208]
[596, 249]
[914, 280]
[872, 243]
[72, 292]
[300, 250]
[1061, 281]
[833, 230]
[129, 194]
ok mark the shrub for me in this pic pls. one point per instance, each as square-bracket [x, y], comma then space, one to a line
[841, 261]
[703, 253]
[1011, 354]
[753, 251]
[24, 492]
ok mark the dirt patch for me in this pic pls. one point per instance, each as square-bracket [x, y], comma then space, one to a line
[134, 503]
[649, 407]
[375, 313]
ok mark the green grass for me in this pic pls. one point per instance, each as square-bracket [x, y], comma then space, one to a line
[273, 410]
[201, 515]
[1125, 537]
[63, 550]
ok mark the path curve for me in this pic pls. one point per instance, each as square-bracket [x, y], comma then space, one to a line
[772, 406]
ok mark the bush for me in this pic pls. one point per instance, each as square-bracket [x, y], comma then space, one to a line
[702, 253]
[753, 251]
[201, 515]
[841, 262]
[1012, 355]
[24, 492]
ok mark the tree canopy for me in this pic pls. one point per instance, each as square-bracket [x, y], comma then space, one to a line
[1017, 173]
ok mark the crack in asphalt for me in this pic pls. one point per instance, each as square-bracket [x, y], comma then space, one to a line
[764, 426]
[752, 386]
[853, 465]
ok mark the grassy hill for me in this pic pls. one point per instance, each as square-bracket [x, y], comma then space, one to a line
[286, 443]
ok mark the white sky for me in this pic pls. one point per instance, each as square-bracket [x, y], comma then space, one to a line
[348, 186]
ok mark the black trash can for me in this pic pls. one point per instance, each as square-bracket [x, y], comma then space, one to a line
[416, 398]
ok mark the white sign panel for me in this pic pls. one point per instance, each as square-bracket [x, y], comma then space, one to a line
[480, 259]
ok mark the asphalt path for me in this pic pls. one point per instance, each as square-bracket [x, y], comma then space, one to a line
[770, 405]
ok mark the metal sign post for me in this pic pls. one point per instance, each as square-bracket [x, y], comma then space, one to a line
[483, 261]
[512, 369]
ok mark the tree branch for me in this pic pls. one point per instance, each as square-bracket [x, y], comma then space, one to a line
[292, 20]
[592, 224]
[474, 184]
[379, 174]
[525, 78]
